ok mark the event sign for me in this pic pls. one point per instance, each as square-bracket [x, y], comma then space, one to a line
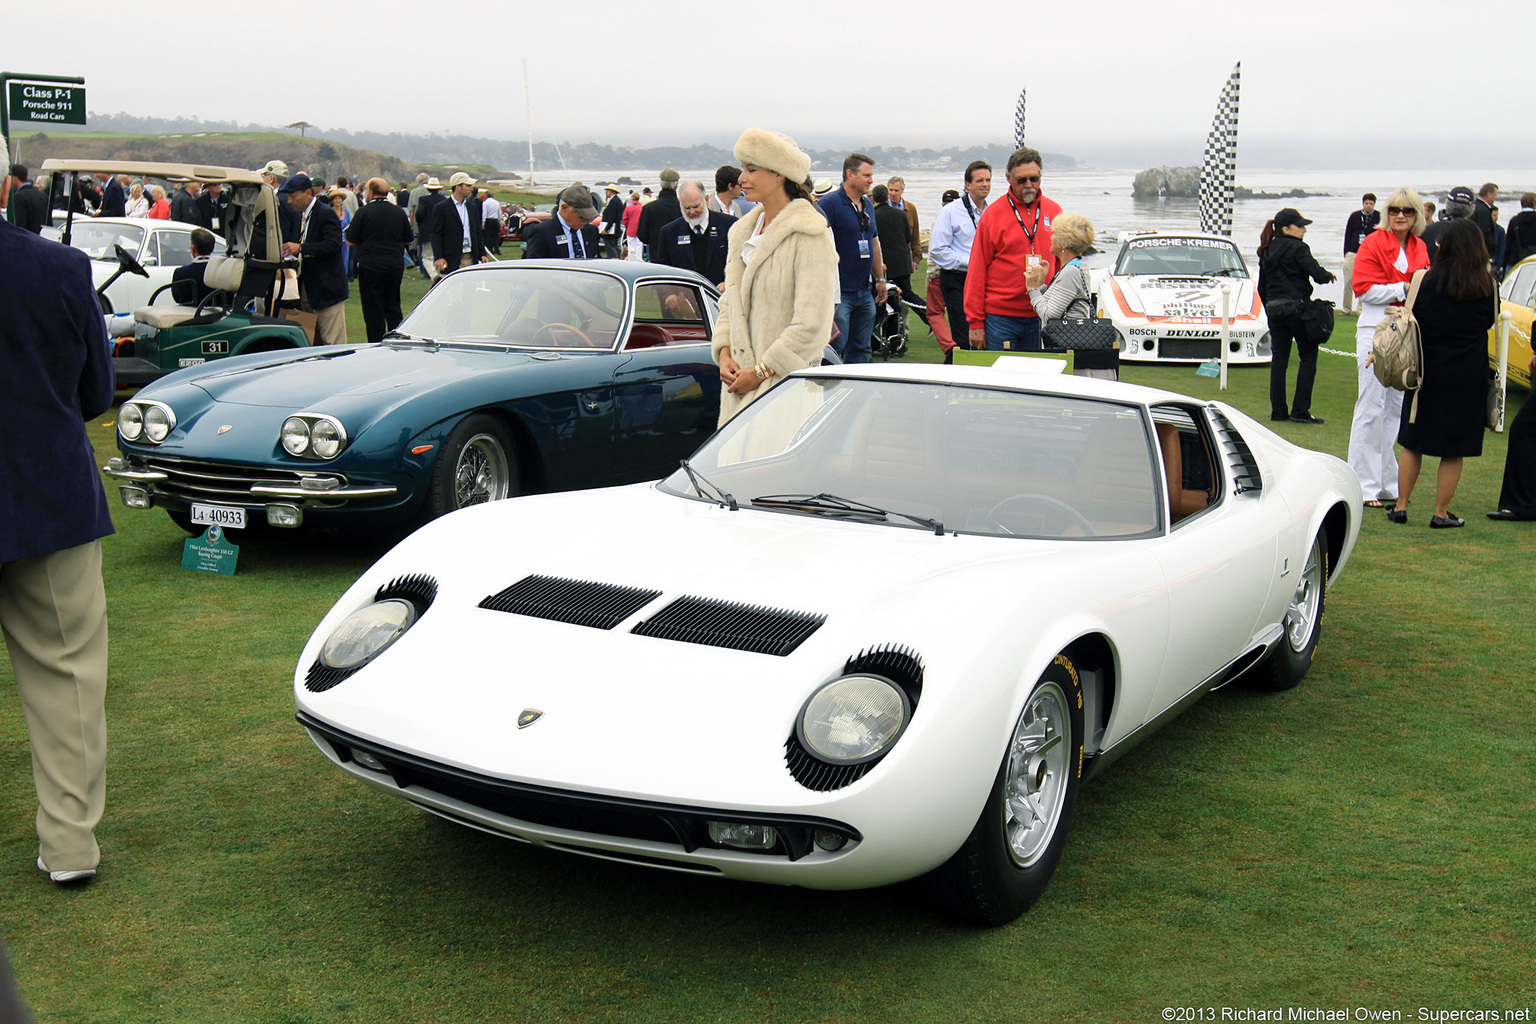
[48, 104]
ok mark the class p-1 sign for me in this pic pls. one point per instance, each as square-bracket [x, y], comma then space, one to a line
[47, 104]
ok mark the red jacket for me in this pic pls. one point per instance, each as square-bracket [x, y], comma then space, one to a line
[995, 281]
[1376, 262]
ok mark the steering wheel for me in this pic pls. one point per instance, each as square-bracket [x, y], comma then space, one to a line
[1070, 515]
[126, 260]
[574, 330]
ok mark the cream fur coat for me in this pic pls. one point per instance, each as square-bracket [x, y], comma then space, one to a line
[777, 309]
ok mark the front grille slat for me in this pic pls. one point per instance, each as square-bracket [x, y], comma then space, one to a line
[218, 481]
[741, 627]
[579, 602]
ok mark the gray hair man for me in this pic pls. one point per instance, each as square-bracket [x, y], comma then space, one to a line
[697, 240]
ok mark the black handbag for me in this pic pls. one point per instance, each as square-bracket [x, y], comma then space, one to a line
[1317, 320]
[1093, 341]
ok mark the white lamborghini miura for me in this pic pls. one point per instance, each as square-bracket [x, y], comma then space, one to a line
[880, 626]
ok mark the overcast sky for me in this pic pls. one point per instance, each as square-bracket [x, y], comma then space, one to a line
[1325, 83]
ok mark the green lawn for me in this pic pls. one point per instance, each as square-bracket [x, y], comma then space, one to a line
[1364, 840]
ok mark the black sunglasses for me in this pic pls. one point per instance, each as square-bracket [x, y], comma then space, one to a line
[1406, 211]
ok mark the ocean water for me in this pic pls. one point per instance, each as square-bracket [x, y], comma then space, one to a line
[1105, 198]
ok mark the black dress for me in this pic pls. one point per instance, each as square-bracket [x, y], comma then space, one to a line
[1518, 495]
[1454, 399]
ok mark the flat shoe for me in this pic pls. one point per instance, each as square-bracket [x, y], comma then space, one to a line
[67, 877]
[1378, 504]
[1398, 516]
[1306, 419]
[1451, 520]
[1504, 514]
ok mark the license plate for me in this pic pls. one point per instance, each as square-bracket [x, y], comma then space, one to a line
[219, 515]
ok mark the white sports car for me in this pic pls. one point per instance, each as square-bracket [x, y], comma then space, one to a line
[1163, 295]
[879, 627]
[158, 246]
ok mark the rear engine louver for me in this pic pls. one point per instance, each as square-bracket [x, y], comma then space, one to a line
[741, 627]
[1244, 468]
[599, 605]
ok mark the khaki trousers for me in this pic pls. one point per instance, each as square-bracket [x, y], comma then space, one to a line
[330, 323]
[53, 612]
[1349, 282]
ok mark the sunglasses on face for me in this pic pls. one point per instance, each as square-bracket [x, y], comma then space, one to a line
[1032, 180]
[1402, 211]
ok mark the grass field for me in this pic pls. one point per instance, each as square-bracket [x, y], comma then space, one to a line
[1363, 841]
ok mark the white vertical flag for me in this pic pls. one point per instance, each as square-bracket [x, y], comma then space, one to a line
[1218, 172]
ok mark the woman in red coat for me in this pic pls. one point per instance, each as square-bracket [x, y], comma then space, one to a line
[1383, 266]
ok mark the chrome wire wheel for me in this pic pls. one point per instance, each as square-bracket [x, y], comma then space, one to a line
[1306, 601]
[1039, 767]
[481, 473]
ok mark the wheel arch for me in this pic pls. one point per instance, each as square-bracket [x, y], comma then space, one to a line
[530, 461]
[1094, 656]
[1335, 530]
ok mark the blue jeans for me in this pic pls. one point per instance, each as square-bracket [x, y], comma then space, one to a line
[855, 318]
[1016, 333]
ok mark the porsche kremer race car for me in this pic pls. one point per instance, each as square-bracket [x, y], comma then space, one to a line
[1163, 294]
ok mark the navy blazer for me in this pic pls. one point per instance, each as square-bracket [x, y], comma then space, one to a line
[676, 247]
[448, 232]
[58, 374]
[323, 269]
[114, 202]
[547, 241]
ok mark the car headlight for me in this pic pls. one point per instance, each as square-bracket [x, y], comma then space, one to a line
[130, 421]
[313, 435]
[853, 719]
[151, 421]
[367, 633]
[295, 435]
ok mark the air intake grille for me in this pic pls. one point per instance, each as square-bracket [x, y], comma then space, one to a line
[599, 605]
[741, 627]
[1240, 461]
[817, 775]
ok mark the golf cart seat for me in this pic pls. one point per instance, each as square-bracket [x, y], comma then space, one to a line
[222, 274]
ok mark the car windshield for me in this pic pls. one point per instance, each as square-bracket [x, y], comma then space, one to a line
[97, 240]
[527, 307]
[1181, 257]
[974, 460]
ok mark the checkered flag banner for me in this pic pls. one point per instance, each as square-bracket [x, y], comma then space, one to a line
[1218, 172]
[1018, 122]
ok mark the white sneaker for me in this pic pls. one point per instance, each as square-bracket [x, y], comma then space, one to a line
[65, 877]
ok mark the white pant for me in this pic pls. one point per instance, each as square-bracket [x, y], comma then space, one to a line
[1348, 277]
[1372, 434]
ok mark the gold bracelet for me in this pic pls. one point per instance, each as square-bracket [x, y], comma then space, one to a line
[763, 372]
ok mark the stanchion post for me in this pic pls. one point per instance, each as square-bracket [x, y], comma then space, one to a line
[1226, 321]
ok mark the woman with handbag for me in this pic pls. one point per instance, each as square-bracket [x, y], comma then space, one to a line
[1285, 266]
[1386, 261]
[1455, 308]
[1070, 293]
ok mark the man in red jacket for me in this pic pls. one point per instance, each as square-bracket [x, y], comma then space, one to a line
[1010, 236]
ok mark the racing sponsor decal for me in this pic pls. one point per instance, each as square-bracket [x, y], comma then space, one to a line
[1166, 242]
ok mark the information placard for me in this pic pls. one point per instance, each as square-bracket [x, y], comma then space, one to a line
[46, 104]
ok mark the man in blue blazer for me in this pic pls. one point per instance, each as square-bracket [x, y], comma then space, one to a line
[696, 240]
[53, 514]
[569, 234]
[114, 201]
[322, 263]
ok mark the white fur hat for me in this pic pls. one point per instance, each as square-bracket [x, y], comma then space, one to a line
[775, 151]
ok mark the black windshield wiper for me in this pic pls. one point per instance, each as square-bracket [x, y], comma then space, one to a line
[699, 483]
[1223, 272]
[831, 504]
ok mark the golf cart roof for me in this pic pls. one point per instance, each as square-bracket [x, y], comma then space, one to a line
[150, 168]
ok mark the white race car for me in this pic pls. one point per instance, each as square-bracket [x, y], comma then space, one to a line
[879, 627]
[1163, 294]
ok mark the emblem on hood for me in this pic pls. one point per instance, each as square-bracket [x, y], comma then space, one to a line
[226, 427]
[528, 717]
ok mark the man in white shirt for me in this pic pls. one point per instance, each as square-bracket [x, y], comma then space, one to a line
[949, 245]
[490, 218]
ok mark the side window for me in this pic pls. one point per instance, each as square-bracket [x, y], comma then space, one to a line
[1190, 472]
[150, 257]
[175, 248]
[1523, 288]
[679, 308]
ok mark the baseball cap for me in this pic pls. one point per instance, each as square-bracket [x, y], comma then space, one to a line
[460, 178]
[1290, 218]
[298, 183]
[276, 168]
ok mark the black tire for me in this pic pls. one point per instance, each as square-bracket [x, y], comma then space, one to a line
[478, 463]
[1292, 657]
[1006, 863]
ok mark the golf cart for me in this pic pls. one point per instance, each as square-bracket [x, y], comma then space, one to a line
[236, 317]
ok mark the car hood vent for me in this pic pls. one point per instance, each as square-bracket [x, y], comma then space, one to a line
[741, 627]
[579, 602]
[1246, 478]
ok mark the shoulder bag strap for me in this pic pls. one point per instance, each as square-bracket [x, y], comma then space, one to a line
[1413, 290]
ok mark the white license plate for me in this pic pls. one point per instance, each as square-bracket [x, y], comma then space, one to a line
[219, 515]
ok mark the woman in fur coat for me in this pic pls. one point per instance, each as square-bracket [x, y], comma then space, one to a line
[780, 275]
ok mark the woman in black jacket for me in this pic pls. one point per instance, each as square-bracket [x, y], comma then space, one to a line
[1285, 264]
